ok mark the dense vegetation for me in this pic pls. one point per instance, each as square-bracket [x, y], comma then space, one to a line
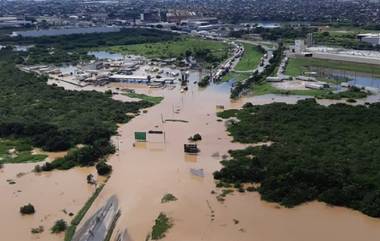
[203, 50]
[93, 40]
[55, 119]
[330, 154]
[351, 93]
[283, 33]
[73, 48]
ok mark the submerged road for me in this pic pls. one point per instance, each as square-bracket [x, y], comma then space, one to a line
[97, 227]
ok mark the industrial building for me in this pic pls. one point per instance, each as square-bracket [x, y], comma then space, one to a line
[299, 46]
[371, 38]
[129, 78]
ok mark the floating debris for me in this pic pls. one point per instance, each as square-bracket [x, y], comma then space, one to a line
[176, 120]
[191, 148]
[197, 172]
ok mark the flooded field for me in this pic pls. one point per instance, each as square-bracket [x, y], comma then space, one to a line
[144, 172]
[353, 78]
[53, 194]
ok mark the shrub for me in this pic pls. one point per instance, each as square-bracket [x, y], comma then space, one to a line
[59, 226]
[39, 229]
[204, 81]
[161, 226]
[27, 209]
[90, 179]
[168, 198]
[103, 168]
[251, 189]
[247, 105]
[37, 168]
[196, 137]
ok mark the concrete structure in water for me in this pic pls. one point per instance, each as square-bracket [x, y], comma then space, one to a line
[370, 38]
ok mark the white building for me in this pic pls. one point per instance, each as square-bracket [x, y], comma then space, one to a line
[370, 38]
[299, 46]
[128, 78]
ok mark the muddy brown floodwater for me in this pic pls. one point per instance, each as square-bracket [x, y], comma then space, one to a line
[144, 172]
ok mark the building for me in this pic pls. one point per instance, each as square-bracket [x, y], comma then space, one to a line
[309, 40]
[299, 46]
[373, 39]
[9, 22]
[129, 78]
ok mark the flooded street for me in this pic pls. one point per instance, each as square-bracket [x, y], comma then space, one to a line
[144, 172]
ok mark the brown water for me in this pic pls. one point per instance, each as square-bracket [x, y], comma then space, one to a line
[50, 193]
[144, 172]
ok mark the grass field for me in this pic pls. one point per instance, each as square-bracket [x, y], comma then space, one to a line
[298, 65]
[17, 151]
[236, 76]
[250, 59]
[174, 49]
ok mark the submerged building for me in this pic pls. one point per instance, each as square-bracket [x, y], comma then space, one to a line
[371, 38]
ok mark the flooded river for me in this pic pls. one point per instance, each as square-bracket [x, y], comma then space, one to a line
[144, 172]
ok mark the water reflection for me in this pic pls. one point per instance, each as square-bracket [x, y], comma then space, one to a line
[353, 78]
[191, 158]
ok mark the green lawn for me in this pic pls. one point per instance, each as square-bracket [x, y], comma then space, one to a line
[250, 59]
[22, 152]
[236, 76]
[298, 65]
[212, 50]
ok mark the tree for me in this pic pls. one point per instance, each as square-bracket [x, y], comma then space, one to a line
[103, 168]
[27, 209]
[59, 226]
